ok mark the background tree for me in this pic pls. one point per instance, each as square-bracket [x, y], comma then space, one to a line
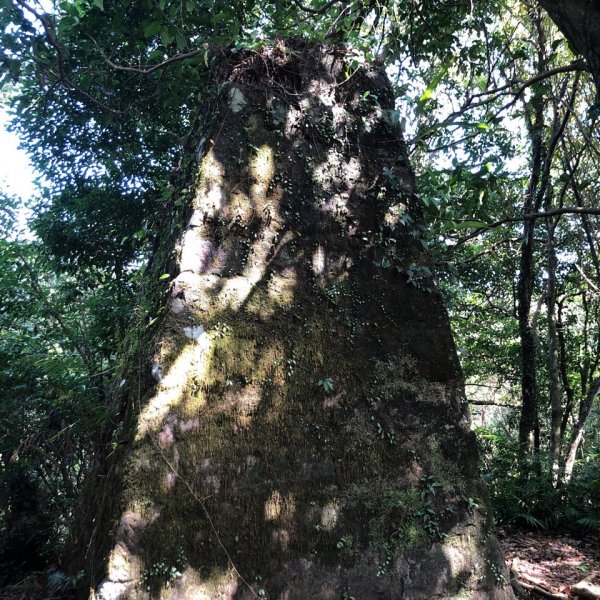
[552, 140]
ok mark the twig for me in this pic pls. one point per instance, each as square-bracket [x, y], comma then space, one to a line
[503, 90]
[578, 65]
[589, 281]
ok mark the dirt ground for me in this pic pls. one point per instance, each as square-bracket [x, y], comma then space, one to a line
[553, 566]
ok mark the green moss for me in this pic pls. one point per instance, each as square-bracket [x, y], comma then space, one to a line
[459, 584]
[172, 343]
[444, 471]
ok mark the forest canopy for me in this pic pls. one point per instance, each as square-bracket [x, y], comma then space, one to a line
[500, 115]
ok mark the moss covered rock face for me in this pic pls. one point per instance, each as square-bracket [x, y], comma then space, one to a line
[307, 435]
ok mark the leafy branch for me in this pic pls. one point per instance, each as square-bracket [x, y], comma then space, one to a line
[490, 96]
[61, 77]
[55, 314]
[148, 70]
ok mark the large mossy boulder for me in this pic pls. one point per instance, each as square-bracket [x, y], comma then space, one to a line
[307, 433]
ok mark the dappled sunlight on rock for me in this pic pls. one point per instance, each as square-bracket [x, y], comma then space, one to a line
[279, 507]
[122, 566]
[322, 173]
[211, 172]
[165, 436]
[321, 91]
[170, 480]
[242, 404]
[318, 260]
[329, 516]
[192, 586]
[236, 290]
[196, 289]
[281, 288]
[237, 99]
[195, 332]
[192, 361]
[262, 171]
[189, 425]
[197, 253]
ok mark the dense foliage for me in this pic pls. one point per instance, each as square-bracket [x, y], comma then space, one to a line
[501, 122]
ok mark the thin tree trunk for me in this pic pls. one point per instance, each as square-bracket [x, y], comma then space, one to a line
[553, 362]
[529, 418]
[566, 385]
[537, 193]
[579, 429]
[535, 114]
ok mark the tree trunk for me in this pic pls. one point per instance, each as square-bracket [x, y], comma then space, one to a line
[579, 429]
[309, 435]
[564, 376]
[528, 423]
[579, 21]
[553, 361]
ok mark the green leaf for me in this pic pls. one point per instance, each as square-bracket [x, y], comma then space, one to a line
[190, 5]
[167, 36]
[181, 41]
[530, 520]
[164, 276]
[326, 384]
[99, 4]
[152, 29]
[156, 54]
[167, 192]
[428, 93]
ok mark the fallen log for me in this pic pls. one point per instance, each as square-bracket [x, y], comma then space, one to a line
[586, 589]
[543, 592]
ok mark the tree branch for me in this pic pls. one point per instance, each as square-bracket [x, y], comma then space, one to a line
[152, 69]
[82, 350]
[315, 11]
[577, 65]
[588, 280]
[490, 403]
[506, 89]
[61, 76]
[575, 210]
